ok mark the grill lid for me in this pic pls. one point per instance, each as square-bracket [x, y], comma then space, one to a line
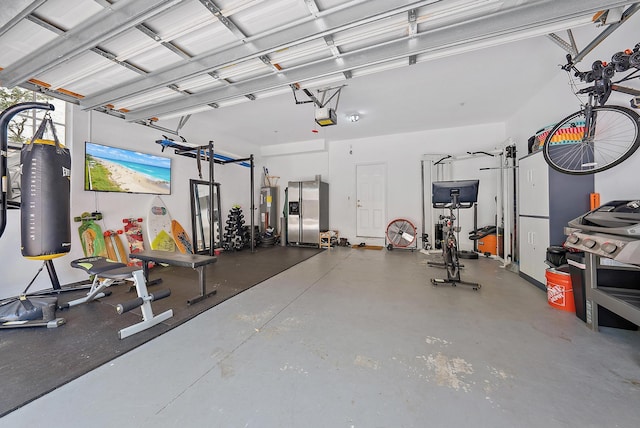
[618, 217]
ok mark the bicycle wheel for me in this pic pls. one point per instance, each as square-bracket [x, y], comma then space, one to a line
[451, 260]
[571, 150]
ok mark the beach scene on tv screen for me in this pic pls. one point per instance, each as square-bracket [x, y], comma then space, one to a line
[111, 169]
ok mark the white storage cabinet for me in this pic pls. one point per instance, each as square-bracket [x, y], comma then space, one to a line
[547, 200]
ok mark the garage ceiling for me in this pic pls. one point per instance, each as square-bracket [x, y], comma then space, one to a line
[244, 63]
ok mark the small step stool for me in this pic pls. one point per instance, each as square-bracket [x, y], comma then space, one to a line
[325, 238]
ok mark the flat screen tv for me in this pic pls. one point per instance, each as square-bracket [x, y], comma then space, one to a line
[443, 192]
[112, 169]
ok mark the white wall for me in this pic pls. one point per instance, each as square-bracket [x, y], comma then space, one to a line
[103, 129]
[402, 154]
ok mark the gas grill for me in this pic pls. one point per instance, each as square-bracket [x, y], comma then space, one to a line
[610, 238]
[612, 231]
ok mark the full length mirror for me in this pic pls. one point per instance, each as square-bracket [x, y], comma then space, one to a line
[205, 215]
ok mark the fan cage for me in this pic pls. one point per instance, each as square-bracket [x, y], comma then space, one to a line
[398, 229]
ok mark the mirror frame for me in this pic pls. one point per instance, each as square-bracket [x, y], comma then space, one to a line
[200, 242]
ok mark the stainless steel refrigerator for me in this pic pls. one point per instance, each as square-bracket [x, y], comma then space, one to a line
[308, 211]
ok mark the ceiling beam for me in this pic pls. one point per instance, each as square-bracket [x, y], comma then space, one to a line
[17, 10]
[413, 24]
[44, 24]
[333, 21]
[121, 16]
[156, 37]
[102, 52]
[606, 32]
[498, 27]
[225, 20]
[312, 7]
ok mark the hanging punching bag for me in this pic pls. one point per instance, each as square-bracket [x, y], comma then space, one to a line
[46, 186]
[5, 118]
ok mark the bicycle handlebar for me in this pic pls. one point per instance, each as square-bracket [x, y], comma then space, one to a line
[451, 206]
[601, 72]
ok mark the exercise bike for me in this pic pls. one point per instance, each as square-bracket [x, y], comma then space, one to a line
[460, 194]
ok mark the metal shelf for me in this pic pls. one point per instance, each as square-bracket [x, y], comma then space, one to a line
[624, 302]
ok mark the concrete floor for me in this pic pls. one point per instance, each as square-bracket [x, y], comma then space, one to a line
[360, 338]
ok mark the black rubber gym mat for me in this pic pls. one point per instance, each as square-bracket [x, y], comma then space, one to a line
[37, 360]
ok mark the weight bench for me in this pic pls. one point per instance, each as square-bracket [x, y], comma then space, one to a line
[194, 261]
[96, 266]
[106, 273]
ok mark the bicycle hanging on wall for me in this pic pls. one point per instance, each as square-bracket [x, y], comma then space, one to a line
[453, 195]
[598, 136]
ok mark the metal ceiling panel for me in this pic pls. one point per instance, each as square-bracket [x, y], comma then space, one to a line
[191, 27]
[244, 70]
[445, 13]
[65, 14]
[392, 28]
[15, 11]
[269, 15]
[296, 55]
[200, 83]
[212, 36]
[129, 43]
[526, 17]
[148, 99]
[325, 81]
[153, 58]
[330, 4]
[22, 39]
[106, 78]
[378, 68]
[231, 7]
[123, 15]
[81, 67]
[302, 32]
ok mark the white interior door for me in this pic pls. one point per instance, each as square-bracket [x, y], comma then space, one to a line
[371, 196]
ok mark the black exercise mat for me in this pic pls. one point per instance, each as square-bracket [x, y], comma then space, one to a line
[35, 361]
